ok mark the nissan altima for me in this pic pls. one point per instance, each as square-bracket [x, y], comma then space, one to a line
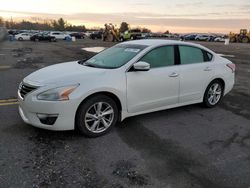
[128, 79]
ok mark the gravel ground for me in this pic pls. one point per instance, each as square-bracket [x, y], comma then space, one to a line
[189, 147]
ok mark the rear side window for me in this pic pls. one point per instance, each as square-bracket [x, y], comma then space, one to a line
[160, 57]
[207, 56]
[191, 55]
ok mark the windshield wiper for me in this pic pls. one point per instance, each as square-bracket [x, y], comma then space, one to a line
[90, 65]
[81, 62]
[85, 63]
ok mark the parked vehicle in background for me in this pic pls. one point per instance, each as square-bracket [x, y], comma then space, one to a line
[146, 35]
[23, 36]
[212, 37]
[43, 37]
[188, 37]
[96, 35]
[59, 35]
[243, 36]
[202, 37]
[156, 35]
[132, 34]
[171, 35]
[77, 35]
[219, 39]
[13, 32]
[88, 33]
[128, 79]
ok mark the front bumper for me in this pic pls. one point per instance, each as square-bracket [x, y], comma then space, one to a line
[30, 108]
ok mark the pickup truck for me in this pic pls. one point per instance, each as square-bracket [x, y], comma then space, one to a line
[132, 34]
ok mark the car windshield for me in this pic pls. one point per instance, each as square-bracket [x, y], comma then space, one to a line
[115, 57]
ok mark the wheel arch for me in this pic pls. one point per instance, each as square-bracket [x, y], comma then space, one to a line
[107, 93]
[220, 80]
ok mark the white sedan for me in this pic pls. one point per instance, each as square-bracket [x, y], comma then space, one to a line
[59, 35]
[23, 36]
[219, 39]
[125, 80]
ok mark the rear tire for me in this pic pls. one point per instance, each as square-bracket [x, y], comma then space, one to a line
[213, 94]
[20, 39]
[245, 40]
[96, 116]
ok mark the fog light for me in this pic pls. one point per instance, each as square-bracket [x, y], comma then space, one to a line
[47, 119]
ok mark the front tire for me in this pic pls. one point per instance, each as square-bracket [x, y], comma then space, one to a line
[96, 116]
[213, 94]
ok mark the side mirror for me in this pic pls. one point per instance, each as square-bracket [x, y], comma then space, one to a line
[141, 66]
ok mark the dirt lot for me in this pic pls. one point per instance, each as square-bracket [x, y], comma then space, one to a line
[184, 147]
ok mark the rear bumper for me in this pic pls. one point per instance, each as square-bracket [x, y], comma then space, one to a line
[230, 81]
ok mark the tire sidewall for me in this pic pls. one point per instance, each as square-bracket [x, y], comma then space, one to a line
[205, 99]
[83, 108]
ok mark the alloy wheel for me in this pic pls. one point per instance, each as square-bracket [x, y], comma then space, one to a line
[99, 117]
[214, 94]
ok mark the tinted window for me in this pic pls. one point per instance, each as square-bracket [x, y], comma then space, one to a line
[189, 55]
[160, 57]
[208, 56]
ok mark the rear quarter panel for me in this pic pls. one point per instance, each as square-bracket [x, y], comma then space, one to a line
[225, 73]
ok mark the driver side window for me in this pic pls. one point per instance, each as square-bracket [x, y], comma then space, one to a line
[160, 57]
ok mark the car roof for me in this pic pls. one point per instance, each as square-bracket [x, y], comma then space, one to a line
[160, 42]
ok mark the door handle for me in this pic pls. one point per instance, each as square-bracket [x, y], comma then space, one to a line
[173, 74]
[207, 69]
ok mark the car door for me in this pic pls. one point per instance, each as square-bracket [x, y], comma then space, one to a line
[61, 35]
[56, 35]
[25, 36]
[196, 70]
[156, 88]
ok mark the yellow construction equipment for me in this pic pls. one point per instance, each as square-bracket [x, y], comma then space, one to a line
[243, 36]
[110, 33]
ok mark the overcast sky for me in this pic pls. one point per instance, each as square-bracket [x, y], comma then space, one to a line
[158, 15]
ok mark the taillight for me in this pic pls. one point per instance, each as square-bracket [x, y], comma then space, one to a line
[231, 66]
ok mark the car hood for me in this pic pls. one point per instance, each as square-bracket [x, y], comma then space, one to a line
[63, 73]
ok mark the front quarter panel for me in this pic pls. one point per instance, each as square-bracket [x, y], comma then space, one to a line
[112, 81]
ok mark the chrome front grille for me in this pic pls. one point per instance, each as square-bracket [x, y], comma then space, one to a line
[25, 89]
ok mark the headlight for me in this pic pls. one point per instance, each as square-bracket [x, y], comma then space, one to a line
[57, 94]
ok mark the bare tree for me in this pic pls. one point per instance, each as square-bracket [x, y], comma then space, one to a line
[123, 27]
[145, 30]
